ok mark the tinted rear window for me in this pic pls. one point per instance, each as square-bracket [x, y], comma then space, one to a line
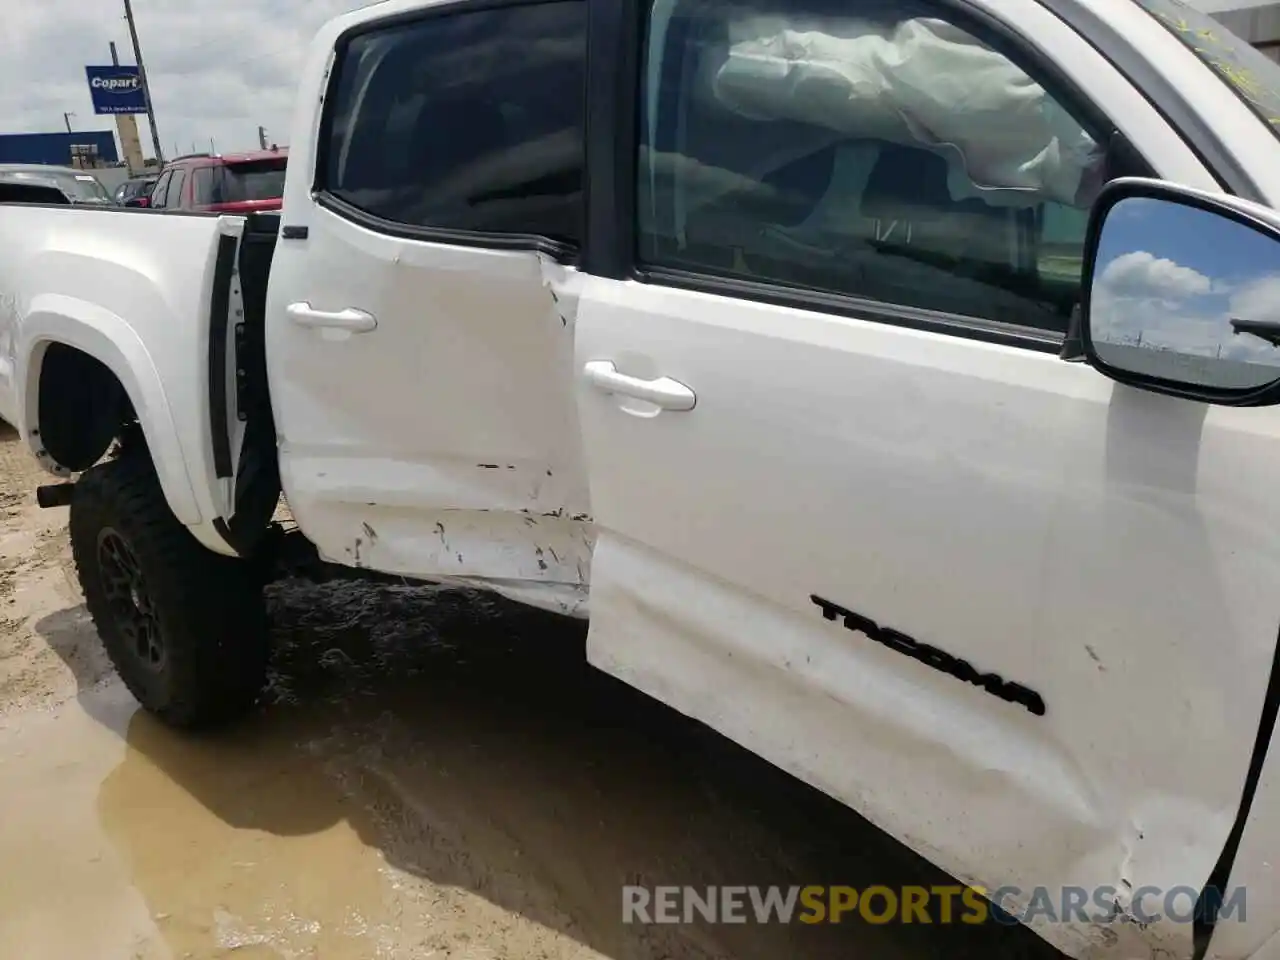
[77, 187]
[255, 180]
[16, 190]
[472, 120]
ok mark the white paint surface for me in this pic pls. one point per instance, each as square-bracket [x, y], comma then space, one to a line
[133, 290]
[1115, 551]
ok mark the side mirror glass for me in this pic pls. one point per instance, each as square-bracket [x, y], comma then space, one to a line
[1184, 293]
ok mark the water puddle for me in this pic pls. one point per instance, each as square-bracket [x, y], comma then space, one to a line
[436, 777]
[136, 842]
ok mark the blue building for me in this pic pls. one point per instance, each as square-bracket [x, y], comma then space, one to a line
[56, 148]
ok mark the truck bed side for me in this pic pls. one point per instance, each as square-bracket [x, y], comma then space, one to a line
[131, 292]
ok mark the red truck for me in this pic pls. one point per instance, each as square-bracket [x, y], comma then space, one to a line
[221, 183]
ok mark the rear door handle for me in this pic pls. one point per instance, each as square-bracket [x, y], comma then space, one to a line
[663, 392]
[350, 319]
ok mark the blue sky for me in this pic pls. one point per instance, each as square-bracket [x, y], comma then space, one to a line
[216, 71]
[1205, 242]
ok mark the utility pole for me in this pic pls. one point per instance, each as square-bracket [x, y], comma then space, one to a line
[142, 78]
[262, 136]
[66, 118]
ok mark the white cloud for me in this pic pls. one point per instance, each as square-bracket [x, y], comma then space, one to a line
[216, 71]
[1141, 299]
[1161, 322]
[1140, 273]
[1257, 300]
[1141, 296]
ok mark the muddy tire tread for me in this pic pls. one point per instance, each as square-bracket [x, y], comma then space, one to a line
[210, 607]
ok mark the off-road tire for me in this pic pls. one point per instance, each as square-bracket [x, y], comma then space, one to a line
[207, 610]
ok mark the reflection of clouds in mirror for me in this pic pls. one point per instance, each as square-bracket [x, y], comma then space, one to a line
[1143, 273]
[1173, 277]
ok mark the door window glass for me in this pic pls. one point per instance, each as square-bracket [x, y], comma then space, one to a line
[161, 187]
[465, 121]
[202, 185]
[173, 197]
[82, 187]
[862, 147]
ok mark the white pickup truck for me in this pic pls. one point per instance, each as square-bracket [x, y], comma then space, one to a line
[799, 345]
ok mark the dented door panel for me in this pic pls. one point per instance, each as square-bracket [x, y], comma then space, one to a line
[444, 442]
[1019, 617]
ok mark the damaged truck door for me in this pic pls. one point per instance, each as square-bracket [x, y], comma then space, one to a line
[441, 268]
[978, 593]
[799, 353]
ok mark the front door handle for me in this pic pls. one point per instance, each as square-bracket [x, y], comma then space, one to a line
[663, 392]
[350, 319]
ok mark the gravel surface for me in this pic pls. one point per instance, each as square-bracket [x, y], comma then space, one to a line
[434, 774]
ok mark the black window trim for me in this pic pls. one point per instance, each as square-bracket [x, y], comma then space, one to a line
[559, 250]
[779, 294]
[199, 198]
[620, 26]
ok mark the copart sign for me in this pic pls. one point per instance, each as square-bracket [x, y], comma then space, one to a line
[116, 90]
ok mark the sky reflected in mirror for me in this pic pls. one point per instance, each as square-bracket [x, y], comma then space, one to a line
[1194, 287]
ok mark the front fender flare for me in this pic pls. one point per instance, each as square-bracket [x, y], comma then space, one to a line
[56, 318]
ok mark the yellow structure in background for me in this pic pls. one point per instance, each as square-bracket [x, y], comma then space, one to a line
[130, 143]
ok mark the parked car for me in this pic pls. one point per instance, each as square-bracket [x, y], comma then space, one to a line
[27, 189]
[866, 373]
[137, 190]
[221, 183]
[78, 186]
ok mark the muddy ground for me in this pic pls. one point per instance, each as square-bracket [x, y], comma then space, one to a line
[436, 775]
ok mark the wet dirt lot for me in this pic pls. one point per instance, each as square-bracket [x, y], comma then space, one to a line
[435, 774]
